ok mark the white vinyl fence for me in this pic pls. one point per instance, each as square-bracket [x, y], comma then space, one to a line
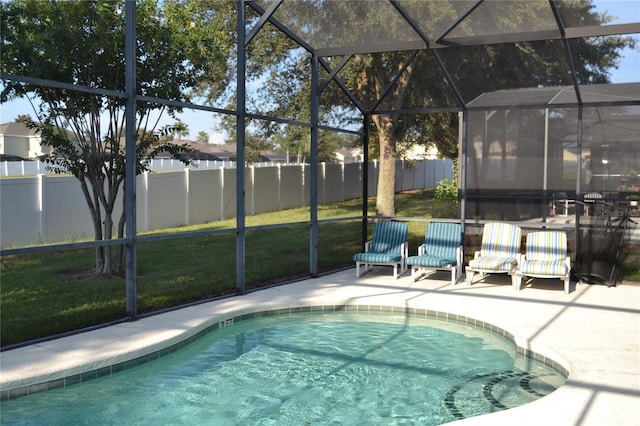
[34, 167]
[52, 208]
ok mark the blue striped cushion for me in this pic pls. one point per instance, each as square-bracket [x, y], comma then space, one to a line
[388, 237]
[441, 241]
[386, 243]
[544, 267]
[427, 260]
[500, 240]
[494, 263]
[371, 257]
[546, 245]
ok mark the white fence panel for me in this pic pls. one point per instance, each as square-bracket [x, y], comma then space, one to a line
[352, 181]
[167, 200]
[53, 209]
[263, 192]
[66, 213]
[372, 185]
[330, 184]
[22, 168]
[408, 176]
[419, 174]
[20, 212]
[291, 187]
[228, 200]
[306, 176]
[205, 194]
[142, 203]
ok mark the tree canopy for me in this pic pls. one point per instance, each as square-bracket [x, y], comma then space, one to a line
[82, 43]
[408, 80]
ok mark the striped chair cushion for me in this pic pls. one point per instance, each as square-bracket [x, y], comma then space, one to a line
[546, 245]
[494, 263]
[427, 260]
[442, 240]
[544, 267]
[372, 257]
[388, 237]
[386, 243]
[500, 240]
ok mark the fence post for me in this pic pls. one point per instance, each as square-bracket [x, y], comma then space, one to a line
[145, 198]
[252, 200]
[222, 192]
[186, 195]
[279, 183]
[41, 206]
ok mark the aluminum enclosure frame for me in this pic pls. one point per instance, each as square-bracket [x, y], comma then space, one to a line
[436, 45]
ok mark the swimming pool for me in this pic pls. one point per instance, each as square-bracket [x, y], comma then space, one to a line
[309, 368]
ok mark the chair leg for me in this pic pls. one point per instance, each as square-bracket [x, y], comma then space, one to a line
[403, 268]
[469, 277]
[415, 273]
[454, 275]
[567, 283]
[518, 282]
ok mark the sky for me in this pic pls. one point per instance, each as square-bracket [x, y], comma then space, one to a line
[625, 11]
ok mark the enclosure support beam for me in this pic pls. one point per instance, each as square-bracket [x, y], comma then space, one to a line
[578, 248]
[130, 160]
[313, 178]
[240, 147]
[463, 131]
[365, 176]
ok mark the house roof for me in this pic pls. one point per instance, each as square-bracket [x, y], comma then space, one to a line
[16, 129]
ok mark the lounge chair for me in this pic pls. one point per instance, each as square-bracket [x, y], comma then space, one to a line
[499, 251]
[561, 200]
[388, 247]
[442, 250]
[545, 257]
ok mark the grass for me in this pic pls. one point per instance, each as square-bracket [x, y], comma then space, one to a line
[43, 295]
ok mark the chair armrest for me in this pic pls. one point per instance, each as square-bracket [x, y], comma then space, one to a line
[421, 249]
[476, 255]
[404, 249]
[367, 246]
[459, 255]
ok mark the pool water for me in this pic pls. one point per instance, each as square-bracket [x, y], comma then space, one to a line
[338, 368]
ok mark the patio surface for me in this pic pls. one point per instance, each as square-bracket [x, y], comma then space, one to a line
[594, 332]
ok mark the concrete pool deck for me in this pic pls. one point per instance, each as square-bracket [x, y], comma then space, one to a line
[593, 332]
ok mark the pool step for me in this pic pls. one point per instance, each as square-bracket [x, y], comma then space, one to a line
[495, 391]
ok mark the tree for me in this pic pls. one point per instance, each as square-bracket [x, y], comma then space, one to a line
[422, 83]
[82, 42]
[181, 129]
[203, 137]
[255, 146]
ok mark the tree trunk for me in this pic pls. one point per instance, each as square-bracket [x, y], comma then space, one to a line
[120, 249]
[376, 79]
[108, 233]
[385, 200]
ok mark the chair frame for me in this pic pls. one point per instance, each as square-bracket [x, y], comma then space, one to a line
[399, 267]
[470, 271]
[566, 278]
[418, 271]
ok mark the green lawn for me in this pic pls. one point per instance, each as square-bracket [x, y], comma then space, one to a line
[42, 295]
